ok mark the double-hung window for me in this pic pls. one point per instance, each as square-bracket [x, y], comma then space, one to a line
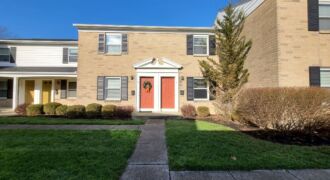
[4, 55]
[72, 89]
[324, 16]
[113, 88]
[201, 89]
[201, 45]
[113, 43]
[73, 55]
[325, 77]
[3, 89]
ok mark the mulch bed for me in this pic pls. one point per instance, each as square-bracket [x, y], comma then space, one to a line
[290, 138]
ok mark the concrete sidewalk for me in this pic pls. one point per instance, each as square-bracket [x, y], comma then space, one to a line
[72, 127]
[149, 160]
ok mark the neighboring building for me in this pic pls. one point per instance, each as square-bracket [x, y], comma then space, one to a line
[156, 68]
[291, 42]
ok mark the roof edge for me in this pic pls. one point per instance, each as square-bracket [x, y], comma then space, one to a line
[40, 41]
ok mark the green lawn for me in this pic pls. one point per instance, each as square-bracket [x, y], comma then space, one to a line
[54, 121]
[31, 154]
[206, 146]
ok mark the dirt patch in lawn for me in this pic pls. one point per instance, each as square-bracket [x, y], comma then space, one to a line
[292, 137]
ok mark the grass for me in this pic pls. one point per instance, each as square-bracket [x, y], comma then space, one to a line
[57, 121]
[206, 146]
[31, 154]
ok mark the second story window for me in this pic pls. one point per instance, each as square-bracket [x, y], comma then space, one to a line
[73, 55]
[324, 16]
[4, 55]
[201, 45]
[113, 43]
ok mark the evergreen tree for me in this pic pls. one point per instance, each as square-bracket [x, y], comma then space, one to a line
[227, 74]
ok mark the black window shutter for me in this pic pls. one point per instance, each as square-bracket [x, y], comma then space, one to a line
[190, 88]
[124, 44]
[12, 54]
[124, 88]
[65, 55]
[63, 89]
[100, 88]
[313, 15]
[190, 44]
[101, 48]
[212, 45]
[10, 89]
[314, 76]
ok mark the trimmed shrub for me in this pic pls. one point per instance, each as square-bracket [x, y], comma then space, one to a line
[188, 111]
[203, 111]
[50, 108]
[286, 109]
[108, 111]
[76, 111]
[21, 109]
[34, 110]
[124, 111]
[61, 110]
[94, 110]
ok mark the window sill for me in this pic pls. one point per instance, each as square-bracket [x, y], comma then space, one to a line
[3, 98]
[324, 31]
[201, 100]
[201, 55]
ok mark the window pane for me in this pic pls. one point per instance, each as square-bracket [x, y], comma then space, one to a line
[3, 85]
[114, 49]
[325, 78]
[72, 85]
[4, 51]
[200, 41]
[73, 51]
[72, 93]
[113, 39]
[200, 83]
[113, 94]
[200, 50]
[200, 93]
[113, 83]
[324, 10]
[324, 23]
[4, 58]
[73, 58]
[3, 93]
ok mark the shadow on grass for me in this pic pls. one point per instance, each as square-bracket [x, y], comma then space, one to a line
[198, 145]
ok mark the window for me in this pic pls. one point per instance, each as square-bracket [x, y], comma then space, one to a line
[114, 43]
[73, 55]
[325, 77]
[201, 45]
[72, 89]
[113, 88]
[3, 89]
[324, 16]
[201, 90]
[4, 54]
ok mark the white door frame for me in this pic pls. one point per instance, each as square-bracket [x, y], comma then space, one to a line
[157, 89]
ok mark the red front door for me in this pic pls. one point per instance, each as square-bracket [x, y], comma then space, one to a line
[147, 92]
[168, 90]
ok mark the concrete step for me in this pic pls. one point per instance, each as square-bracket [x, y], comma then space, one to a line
[151, 116]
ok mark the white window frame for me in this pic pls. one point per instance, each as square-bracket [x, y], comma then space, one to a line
[72, 55]
[6, 54]
[6, 88]
[324, 69]
[324, 3]
[207, 45]
[207, 90]
[106, 88]
[106, 43]
[68, 89]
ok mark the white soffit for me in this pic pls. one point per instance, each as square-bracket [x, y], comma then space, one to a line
[157, 63]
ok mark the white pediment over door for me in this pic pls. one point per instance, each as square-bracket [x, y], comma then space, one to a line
[157, 63]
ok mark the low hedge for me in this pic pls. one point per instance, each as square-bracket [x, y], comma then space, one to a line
[50, 108]
[109, 111]
[203, 111]
[94, 110]
[286, 109]
[76, 111]
[34, 110]
[21, 109]
[124, 111]
[188, 111]
[61, 110]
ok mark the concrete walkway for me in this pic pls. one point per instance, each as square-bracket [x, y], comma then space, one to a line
[72, 127]
[149, 160]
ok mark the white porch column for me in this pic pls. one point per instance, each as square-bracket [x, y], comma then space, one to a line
[15, 92]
